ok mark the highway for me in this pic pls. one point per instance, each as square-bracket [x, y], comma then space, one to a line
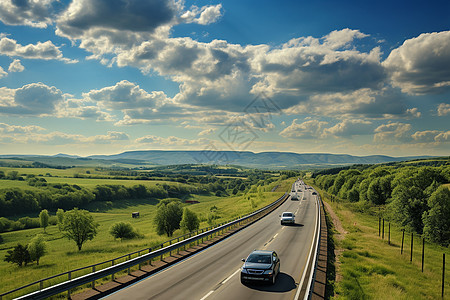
[214, 272]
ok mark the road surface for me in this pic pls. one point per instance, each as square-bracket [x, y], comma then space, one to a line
[214, 272]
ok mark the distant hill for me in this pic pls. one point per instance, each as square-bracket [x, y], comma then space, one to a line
[267, 160]
[152, 158]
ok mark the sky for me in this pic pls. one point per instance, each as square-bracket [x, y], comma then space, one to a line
[87, 77]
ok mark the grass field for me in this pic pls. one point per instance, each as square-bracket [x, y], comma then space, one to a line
[370, 268]
[63, 254]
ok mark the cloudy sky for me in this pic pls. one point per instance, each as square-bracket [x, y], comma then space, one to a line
[89, 77]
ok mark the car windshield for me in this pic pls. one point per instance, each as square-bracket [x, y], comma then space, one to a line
[259, 258]
[287, 215]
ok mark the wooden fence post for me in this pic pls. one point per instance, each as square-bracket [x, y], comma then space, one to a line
[389, 234]
[412, 242]
[403, 238]
[443, 274]
[423, 251]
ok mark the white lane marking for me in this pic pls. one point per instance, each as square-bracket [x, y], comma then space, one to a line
[223, 282]
[207, 295]
[275, 236]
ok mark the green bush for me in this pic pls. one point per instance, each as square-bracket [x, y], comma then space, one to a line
[123, 230]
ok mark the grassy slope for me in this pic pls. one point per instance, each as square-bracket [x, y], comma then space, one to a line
[63, 255]
[370, 268]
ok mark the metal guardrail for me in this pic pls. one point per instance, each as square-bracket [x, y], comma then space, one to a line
[43, 293]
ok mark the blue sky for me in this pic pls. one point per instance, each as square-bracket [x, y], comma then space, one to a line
[102, 77]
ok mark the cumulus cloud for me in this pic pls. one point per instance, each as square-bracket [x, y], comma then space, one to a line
[422, 64]
[311, 65]
[16, 66]
[45, 51]
[10, 129]
[3, 73]
[309, 129]
[443, 137]
[392, 132]
[35, 13]
[204, 16]
[111, 136]
[349, 128]
[31, 99]
[369, 103]
[125, 95]
[207, 131]
[170, 141]
[427, 136]
[443, 109]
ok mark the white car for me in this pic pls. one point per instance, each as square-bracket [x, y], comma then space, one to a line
[287, 218]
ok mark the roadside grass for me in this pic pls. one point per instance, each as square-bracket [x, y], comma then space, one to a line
[371, 268]
[63, 255]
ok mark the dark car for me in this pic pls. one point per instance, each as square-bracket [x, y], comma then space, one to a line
[260, 266]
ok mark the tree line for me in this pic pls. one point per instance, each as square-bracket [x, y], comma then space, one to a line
[414, 196]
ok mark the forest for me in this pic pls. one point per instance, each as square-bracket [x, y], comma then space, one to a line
[414, 194]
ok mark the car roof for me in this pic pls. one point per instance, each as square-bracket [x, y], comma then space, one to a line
[262, 252]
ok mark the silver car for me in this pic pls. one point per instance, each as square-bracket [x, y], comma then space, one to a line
[287, 218]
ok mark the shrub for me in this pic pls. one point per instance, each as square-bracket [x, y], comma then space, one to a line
[122, 230]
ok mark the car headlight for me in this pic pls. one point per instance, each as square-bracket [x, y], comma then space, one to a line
[244, 270]
[268, 272]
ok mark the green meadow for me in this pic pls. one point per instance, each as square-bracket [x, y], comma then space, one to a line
[63, 254]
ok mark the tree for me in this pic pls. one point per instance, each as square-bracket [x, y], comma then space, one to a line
[379, 190]
[189, 221]
[37, 248]
[436, 220]
[409, 204]
[122, 230]
[19, 255]
[60, 216]
[79, 226]
[168, 217]
[43, 218]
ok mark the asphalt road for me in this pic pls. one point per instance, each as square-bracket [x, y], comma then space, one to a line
[214, 273]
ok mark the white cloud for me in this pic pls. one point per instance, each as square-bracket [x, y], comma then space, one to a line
[208, 14]
[31, 99]
[125, 95]
[34, 13]
[207, 131]
[392, 132]
[16, 66]
[309, 129]
[350, 128]
[342, 38]
[3, 73]
[45, 51]
[14, 129]
[443, 137]
[427, 136]
[443, 109]
[422, 64]
[111, 136]
[170, 141]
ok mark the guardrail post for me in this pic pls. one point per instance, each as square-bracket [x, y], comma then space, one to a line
[41, 285]
[162, 246]
[140, 265]
[93, 282]
[129, 270]
[112, 275]
[68, 291]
